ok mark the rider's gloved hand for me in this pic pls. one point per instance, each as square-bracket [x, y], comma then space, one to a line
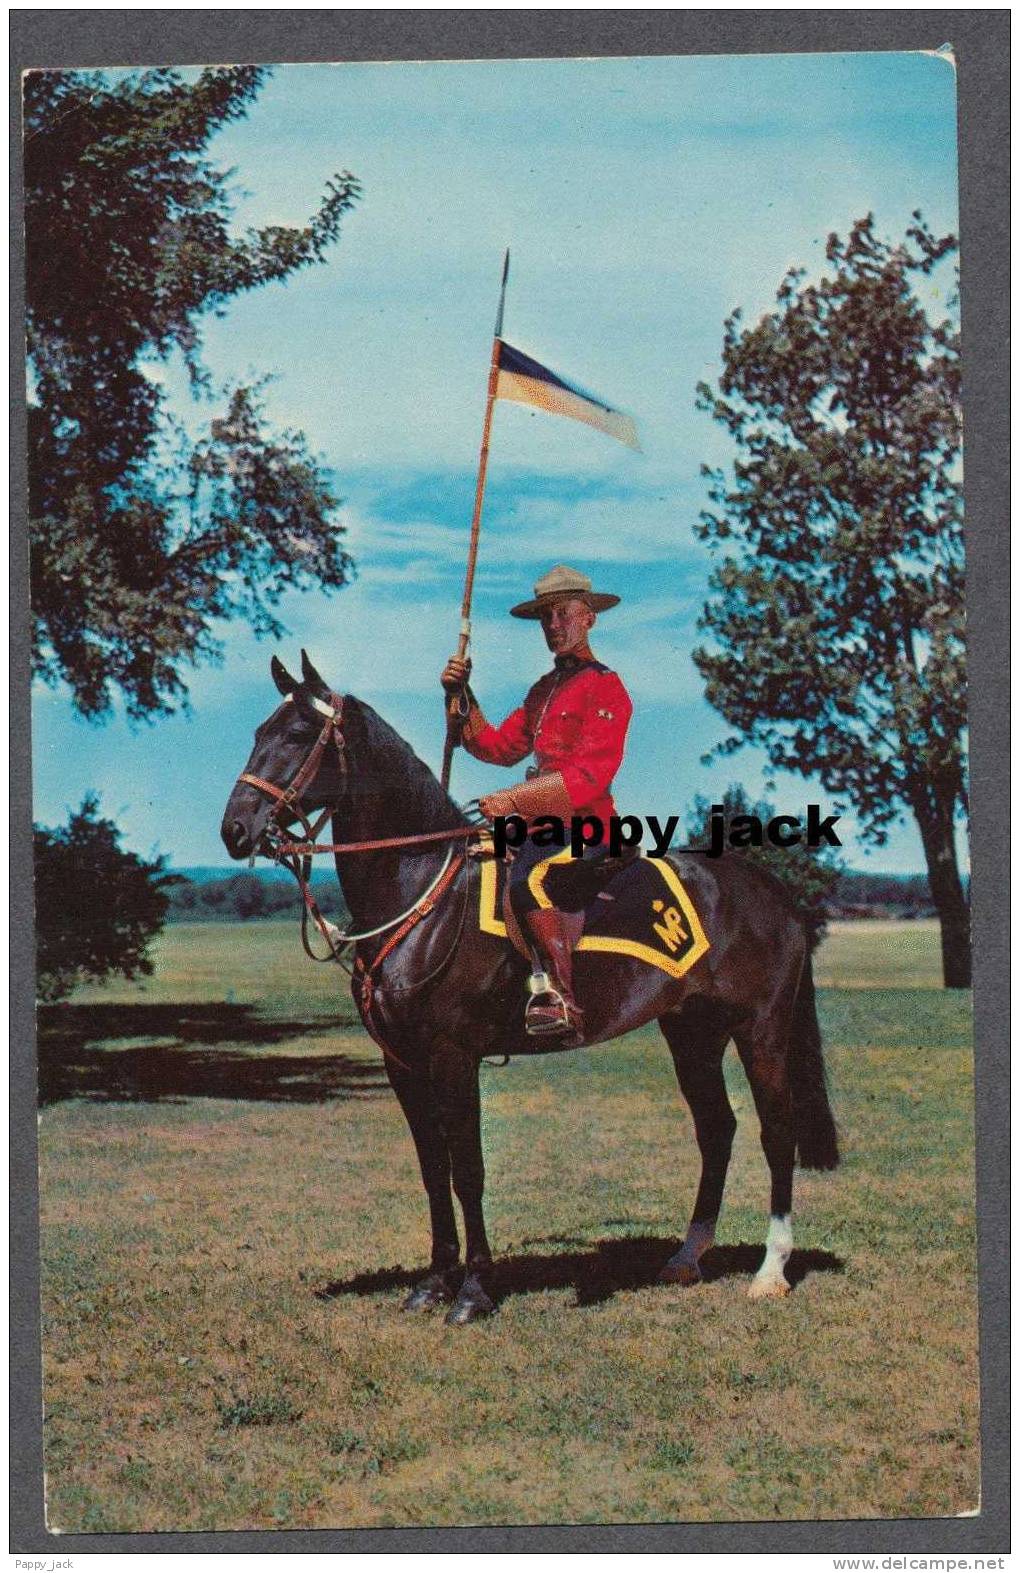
[541, 796]
[455, 674]
[498, 805]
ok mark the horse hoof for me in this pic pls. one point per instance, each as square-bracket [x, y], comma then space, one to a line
[768, 1289]
[427, 1295]
[470, 1307]
[465, 1311]
[677, 1271]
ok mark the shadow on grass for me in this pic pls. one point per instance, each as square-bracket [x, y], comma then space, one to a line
[79, 1056]
[606, 1268]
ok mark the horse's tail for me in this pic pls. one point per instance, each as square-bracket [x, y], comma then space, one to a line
[814, 1127]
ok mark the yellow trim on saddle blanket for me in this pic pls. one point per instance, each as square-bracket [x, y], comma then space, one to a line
[674, 923]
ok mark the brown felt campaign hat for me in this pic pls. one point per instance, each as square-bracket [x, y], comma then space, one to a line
[562, 583]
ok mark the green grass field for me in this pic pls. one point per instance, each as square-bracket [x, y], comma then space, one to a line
[231, 1213]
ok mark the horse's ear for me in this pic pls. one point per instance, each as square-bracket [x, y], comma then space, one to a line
[311, 676]
[282, 678]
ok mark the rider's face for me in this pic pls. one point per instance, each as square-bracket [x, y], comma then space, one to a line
[566, 625]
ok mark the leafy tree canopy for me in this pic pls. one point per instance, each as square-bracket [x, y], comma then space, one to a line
[837, 613]
[97, 906]
[141, 539]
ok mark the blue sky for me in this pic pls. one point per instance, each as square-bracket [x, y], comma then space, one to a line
[642, 199]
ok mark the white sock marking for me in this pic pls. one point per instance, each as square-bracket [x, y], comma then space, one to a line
[778, 1246]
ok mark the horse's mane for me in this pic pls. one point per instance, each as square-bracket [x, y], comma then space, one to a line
[405, 775]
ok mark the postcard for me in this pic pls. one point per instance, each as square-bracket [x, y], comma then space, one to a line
[500, 772]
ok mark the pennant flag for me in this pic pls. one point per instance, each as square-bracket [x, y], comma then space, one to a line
[523, 381]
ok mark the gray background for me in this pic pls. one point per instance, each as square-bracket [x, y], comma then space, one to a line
[981, 42]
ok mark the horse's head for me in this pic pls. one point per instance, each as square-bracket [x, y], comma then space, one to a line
[284, 744]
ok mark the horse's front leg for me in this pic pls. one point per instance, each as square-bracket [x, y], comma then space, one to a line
[455, 1079]
[421, 1111]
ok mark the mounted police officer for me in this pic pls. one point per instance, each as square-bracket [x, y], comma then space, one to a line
[574, 720]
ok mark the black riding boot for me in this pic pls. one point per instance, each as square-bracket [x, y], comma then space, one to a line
[552, 1011]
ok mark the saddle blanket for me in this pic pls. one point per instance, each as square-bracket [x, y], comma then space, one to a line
[644, 911]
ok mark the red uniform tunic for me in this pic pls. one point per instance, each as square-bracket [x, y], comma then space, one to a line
[575, 720]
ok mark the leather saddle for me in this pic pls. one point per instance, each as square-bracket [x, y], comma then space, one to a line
[573, 886]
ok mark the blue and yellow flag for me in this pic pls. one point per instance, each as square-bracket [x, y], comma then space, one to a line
[523, 381]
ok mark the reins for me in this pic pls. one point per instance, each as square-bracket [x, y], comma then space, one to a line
[312, 848]
[296, 856]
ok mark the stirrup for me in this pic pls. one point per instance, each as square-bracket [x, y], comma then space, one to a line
[547, 1014]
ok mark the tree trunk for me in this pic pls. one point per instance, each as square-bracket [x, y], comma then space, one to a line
[935, 820]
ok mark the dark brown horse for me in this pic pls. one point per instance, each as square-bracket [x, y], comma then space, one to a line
[445, 994]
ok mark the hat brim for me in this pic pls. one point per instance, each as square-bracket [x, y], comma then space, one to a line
[534, 609]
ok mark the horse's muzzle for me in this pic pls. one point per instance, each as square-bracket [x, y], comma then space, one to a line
[236, 838]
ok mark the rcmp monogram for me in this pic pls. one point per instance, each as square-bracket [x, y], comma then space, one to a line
[651, 916]
[671, 929]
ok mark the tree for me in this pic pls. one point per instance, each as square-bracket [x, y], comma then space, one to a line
[249, 897]
[837, 618]
[140, 536]
[810, 874]
[97, 907]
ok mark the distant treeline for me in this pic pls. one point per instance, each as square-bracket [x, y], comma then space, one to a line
[206, 896]
[209, 895]
[880, 895]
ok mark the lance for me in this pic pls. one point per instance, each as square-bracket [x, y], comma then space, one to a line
[456, 709]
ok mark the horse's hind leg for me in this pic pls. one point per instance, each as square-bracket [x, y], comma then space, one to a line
[763, 1048]
[697, 1043]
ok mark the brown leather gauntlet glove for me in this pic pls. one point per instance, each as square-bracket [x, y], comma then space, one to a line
[541, 795]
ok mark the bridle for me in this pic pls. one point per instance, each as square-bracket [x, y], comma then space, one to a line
[288, 798]
[296, 856]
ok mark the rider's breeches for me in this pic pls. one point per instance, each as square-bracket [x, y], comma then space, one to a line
[532, 867]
